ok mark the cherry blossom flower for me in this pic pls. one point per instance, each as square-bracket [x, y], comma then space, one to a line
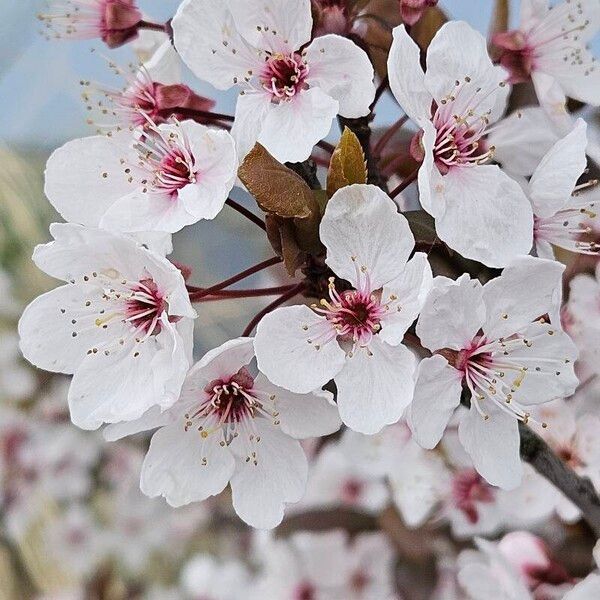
[332, 16]
[230, 427]
[122, 324]
[479, 211]
[550, 47]
[561, 212]
[205, 577]
[327, 565]
[113, 21]
[355, 336]
[289, 91]
[503, 341]
[172, 176]
[152, 94]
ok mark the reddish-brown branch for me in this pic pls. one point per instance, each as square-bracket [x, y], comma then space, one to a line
[405, 183]
[246, 213]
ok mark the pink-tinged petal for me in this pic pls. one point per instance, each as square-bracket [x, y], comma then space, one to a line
[522, 139]
[264, 482]
[375, 386]
[365, 234]
[437, 395]
[556, 176]
[250, 113]
[140, 212]
[487, 218]
[47, 326]
[527, 289]
[121, 382]
[405, 296]
[86, 176]
[452, 314]
[285, 355]
[207, 40]
[343, 71]
[305, 119]
[407, 79]
[493, 444]
[182, 467]
[458, 52]
[302, 415]
[430, 179]
[273, 25]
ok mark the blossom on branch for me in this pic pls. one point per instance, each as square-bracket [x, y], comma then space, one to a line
[289, 92]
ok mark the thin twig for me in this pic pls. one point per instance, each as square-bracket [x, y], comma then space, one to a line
[197, 293]
[278, 302]
[388, 135]
[247, 213]
[405, 183]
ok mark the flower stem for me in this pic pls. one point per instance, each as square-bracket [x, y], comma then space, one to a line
[197, 293]
[326, 146]
[383, 85]
[388, 135]
[278, 302]
[405, 183]
[151, 26]
[247, 293]
[246, 213]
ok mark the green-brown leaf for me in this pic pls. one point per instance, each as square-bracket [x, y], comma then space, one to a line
[347, 164]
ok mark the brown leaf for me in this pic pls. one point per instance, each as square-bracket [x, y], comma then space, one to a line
[293, 209]
[277, 189]
[347, 164]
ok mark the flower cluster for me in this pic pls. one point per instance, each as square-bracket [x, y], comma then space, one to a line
[435, 327]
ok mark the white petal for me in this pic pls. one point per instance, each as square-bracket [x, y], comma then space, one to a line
[274, 25]
[410, 288]
[458, 51]
[552, 97]
[207, 40]
[407, 79]
[285, 356]
[120, 386]
[437, 395]
[522, 139]
[375, 387]
[153, 418]
[586, 589]
[527, 289]
[141, 212]
[493, 444]
[250, 112]
[85, 176]
[261, 489]
[430, 179]
[184, 468]
[555, 178]
[165, 65]
[306, 119]
[549, 360]
[344, 72]
[532, 12]
[487, 217]
[452, 314]
[46, 332]
[302, 415]
[363, 228]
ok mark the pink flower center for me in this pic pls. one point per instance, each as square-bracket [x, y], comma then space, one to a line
[229, 405]
[114, 21]
[144, 307]
[283, 76]
[469, 489]
[167, 157]
[352, 490]
[354, 314]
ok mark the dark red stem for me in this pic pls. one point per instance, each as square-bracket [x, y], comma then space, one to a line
[278, 302]
[405, 183]
[151, 26]
[326, 146]
[380, 89]
[247, 213]
[388, 135]
[198, 293]
[247, 293]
